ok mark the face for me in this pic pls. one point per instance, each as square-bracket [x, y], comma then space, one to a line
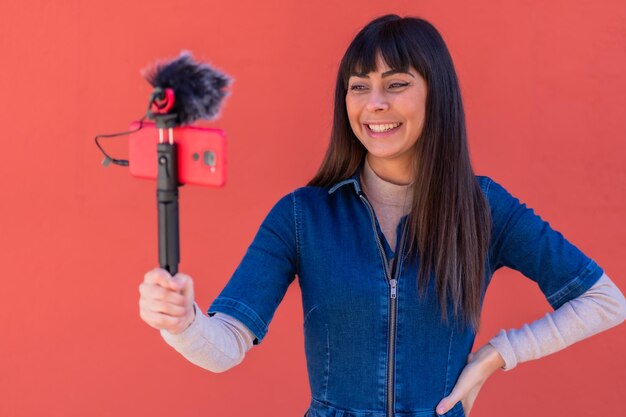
[386, 110]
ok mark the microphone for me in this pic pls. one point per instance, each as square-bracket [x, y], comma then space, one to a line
[188, 89]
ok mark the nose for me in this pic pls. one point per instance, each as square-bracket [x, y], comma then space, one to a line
[378, 101]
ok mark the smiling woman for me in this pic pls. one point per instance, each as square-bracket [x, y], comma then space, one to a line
[394, 243]
[399, 70]
[386, 110]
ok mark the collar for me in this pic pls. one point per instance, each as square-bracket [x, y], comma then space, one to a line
[355, 180]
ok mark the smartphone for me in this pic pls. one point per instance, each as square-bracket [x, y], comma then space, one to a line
[201, 153]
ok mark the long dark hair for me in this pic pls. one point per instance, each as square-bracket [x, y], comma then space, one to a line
[449, 223]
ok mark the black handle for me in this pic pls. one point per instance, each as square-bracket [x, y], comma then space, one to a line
[167, 202]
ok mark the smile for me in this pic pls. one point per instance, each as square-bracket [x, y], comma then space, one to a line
[385, 127]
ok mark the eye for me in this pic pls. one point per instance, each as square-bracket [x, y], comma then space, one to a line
[358, 87]
[397, 85]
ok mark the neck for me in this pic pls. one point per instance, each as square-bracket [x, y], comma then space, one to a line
[384, 192]
[395, 172]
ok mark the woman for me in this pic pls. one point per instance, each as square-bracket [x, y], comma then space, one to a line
[394, 242]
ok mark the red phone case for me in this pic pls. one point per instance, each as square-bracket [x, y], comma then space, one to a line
[201, 153]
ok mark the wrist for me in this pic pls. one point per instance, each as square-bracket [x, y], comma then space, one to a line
[490, 358]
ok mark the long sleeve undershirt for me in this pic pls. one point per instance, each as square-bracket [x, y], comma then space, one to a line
[220, 342]
[214, 343]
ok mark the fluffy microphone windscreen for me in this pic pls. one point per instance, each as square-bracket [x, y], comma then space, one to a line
[198, 88]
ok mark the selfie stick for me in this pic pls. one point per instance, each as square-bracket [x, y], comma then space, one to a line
[167, 196]
[184, 91]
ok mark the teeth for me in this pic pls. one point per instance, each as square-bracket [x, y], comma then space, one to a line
[383, 128]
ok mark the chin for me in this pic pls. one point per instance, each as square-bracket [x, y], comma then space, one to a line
[382, 154]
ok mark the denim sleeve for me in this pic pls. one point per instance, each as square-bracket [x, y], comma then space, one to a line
[523, 241]
[268, 267]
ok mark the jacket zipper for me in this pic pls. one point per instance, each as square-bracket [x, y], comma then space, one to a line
[393, 294]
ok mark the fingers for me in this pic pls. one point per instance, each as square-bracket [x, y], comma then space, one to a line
[184, 283]
[155, 306]
[158, 293]
[166, 302]
[159, 276]
[161, 321]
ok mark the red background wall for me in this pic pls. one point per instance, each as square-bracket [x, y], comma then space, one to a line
[543, 84]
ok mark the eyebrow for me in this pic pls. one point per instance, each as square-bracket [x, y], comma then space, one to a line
[384, 74]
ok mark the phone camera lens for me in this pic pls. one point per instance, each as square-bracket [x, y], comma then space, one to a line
[209, 158]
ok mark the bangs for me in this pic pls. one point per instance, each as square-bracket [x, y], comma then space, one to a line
[386, 40]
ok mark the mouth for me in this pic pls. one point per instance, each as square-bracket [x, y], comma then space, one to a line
[382, 127]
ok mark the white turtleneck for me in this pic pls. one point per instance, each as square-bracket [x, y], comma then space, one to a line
[390, 201]
[220, 342]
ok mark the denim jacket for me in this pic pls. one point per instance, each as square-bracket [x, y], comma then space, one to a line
[373, 348]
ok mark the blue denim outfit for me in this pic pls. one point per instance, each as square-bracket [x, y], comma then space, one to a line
[373, 348]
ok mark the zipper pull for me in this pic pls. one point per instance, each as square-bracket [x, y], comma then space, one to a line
[394, 290]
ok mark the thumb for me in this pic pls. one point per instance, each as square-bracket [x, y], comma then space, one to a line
[447, 403]
[184, 285]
